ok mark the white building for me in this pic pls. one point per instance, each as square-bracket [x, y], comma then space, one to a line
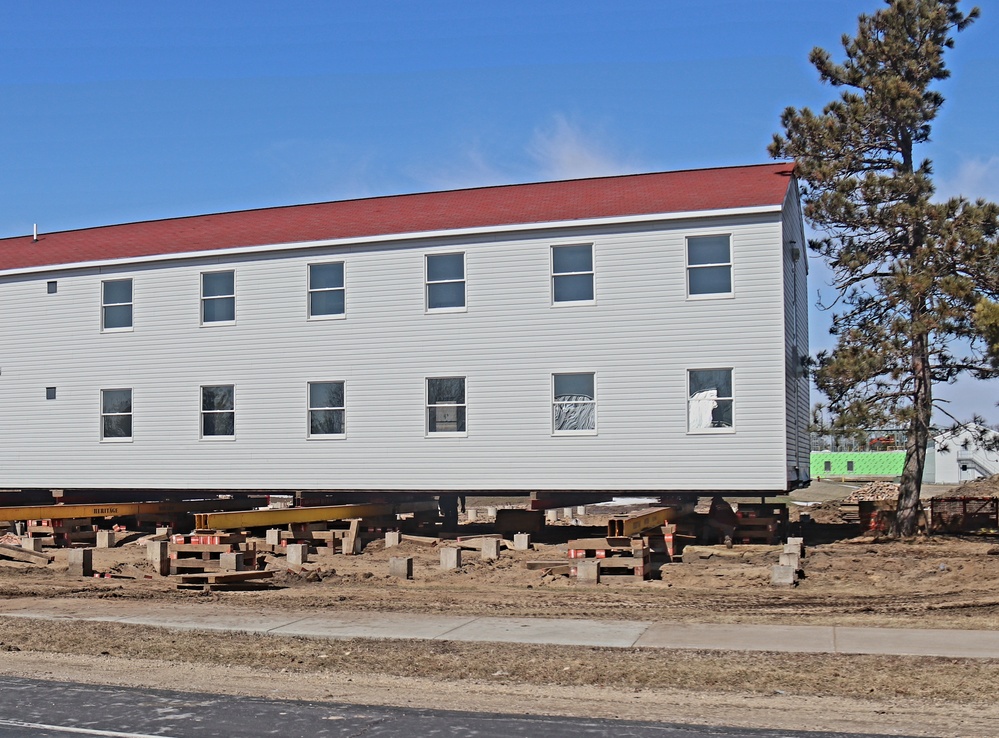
[959, 456]
[632, 333]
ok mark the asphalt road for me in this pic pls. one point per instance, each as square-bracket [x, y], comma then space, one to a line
[41, 709]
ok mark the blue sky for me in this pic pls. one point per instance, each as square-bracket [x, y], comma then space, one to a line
[121, 111]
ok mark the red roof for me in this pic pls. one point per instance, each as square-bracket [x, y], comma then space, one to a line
[543, 202]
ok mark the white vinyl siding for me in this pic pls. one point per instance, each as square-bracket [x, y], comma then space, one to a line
[639, 342]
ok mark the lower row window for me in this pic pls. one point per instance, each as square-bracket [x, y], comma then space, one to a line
[116, 415]
[710, 400]
[326, 409]
[710, 406]
[446, 405]
[218, 411]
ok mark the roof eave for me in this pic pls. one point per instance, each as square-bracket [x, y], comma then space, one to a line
[393, 237]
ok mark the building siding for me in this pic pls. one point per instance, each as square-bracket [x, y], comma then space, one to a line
[638, 338]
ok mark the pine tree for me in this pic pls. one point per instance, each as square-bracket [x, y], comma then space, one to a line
[910, 272]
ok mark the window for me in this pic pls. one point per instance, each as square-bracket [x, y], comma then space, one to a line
[574, 406]
[849, 466]
[709, 266]
[50, 393]
[709, 403]
[116, 415]
[326, 292]
[218, 411]
[445, 281]
[52, 287]
[827, 466]
[572, 273]
[326, 409]
[116, 304]
[446, 405]
[218, 297]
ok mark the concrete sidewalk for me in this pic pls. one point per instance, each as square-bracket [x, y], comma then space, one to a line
[981, 644]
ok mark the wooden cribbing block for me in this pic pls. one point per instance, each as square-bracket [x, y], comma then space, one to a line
[23, 554]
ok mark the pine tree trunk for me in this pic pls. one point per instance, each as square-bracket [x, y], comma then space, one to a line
[909, 509]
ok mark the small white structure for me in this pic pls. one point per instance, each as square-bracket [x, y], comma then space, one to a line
[633, 333]
[959, 458]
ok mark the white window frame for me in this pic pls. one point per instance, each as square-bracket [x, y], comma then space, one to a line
[310, 290]
[553, 275]
[205, 299]
[131, 306]
[427, 407]
[690, 267]
[556, 404]
[427, 282]
[689, 400]
[105, 414]
[308, 417]
[203, 412]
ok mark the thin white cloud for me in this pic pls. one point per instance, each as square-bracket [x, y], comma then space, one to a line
[975, 178]
[565, 150]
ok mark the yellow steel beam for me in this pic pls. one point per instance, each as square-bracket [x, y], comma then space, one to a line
[286, 516]
[116, 509]
[629, 525]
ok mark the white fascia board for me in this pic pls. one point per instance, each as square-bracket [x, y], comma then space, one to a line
[390, 237]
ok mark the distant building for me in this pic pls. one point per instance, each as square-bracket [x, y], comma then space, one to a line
[952, 456]
[633, 333]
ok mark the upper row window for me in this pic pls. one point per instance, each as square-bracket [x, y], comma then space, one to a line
[709, 266]
[116, 304]
[709, 273]
[445, 281]
[572, 273]
[326, 291]
[218, 297]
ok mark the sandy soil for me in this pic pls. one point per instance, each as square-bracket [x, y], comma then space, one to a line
[938, 582]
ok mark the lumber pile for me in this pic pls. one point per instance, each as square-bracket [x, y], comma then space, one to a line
[873, 492]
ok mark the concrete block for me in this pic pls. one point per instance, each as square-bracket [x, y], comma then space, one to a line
[490, 549]
[567, 512]
[273, 537]
[350, 545]
[581, 510]
[588, 571]
[31, 544]
[491, 512]
[81, 562]
[471, 514]
[401, 567]
[158, 552]
[105, 539]
[783, 576]
[392, 538]
[790, 559]
[164, 531]
[551, 516]
[450, 558]
[298, 554]
[234, 561]
[522, 542]
[797, 543]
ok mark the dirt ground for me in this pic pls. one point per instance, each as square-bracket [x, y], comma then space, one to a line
[851, 579]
